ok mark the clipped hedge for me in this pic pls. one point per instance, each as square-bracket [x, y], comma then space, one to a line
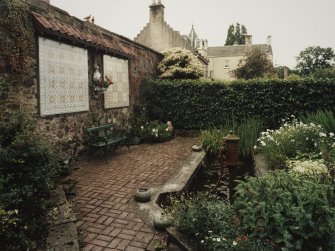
[192, 104]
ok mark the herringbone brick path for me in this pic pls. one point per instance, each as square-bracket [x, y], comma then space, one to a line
[104, 215]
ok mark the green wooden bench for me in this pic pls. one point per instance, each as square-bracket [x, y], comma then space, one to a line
[101, 137]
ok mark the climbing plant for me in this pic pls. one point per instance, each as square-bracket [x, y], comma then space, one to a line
[16, 37]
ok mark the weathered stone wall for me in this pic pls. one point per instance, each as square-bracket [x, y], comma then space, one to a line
[68, 129]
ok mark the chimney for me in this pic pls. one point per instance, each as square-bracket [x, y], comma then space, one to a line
[248, 40]
[156, 12]
[269, 38]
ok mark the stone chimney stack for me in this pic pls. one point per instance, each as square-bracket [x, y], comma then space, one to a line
[248, 40]
[269, 38]
[48, 1]
[156, 12]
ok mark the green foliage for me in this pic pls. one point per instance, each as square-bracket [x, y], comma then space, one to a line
[255, 64]
[324, 73]
[15, 20]
[236, 35]
[28, 165]
[180, 64]
[294, 212]
[212, 140]
[211, 224]
[292, 140]
[201, 105]
[248, 132]
[314, 58]
[155, 131]
[324, 118]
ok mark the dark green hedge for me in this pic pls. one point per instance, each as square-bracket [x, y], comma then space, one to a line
[195, 104]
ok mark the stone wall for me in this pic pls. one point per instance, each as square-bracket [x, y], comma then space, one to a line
[68, 129]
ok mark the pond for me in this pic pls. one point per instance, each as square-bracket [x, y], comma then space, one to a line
[207, 178]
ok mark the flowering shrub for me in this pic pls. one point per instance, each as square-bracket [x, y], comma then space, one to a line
[307, 166]
[294, 140]
[155, 131]
[211, 224]
[180, 64]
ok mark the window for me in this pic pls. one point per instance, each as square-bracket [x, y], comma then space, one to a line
[226, 64]
[63, 72]
[117, 94]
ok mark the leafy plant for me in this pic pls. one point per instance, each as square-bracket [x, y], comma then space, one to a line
[28, 165]
[293, 211]
[324, 118]
[248, 132]
[15, 49]
[155, 131]
[212, 140]
[211, 224]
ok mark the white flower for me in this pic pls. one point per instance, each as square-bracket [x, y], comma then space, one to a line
[142, 127]
[234, 243]
[218, 239]
[202, 241]
[263, 143]
[321, 134]
[331, 134]
[307, 138]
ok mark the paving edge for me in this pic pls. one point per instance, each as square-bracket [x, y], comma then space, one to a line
[62, 232]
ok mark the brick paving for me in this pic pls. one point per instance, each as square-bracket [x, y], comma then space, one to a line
[105, 218]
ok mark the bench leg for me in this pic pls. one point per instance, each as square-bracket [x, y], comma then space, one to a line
[106, 154]
[91, 150]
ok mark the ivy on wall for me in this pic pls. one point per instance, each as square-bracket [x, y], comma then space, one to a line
[198, 105]
[16, 37]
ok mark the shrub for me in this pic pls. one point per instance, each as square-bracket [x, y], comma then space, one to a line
[200, 105]
[292, 140]
[211, 224]
[28, 165]
[155, 131]
[294, 211]
[180, 64]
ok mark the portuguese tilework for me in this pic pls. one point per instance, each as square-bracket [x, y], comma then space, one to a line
[117, 94]
[63, 78]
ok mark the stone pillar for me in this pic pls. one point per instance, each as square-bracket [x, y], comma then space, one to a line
[269, 38]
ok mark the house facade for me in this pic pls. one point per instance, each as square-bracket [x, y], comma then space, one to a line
[224, 59]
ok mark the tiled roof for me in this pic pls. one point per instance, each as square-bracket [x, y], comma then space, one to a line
[54, 27]
[235, 50]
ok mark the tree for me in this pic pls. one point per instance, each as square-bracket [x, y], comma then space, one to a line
[230, 36]
[314, 58]
[254, 65]
[180, 64]
[236, 34]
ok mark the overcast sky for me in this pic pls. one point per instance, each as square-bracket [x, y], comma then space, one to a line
[293, 24]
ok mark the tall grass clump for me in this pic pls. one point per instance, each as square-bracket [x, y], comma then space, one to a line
[248, 131]
[324, 118]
